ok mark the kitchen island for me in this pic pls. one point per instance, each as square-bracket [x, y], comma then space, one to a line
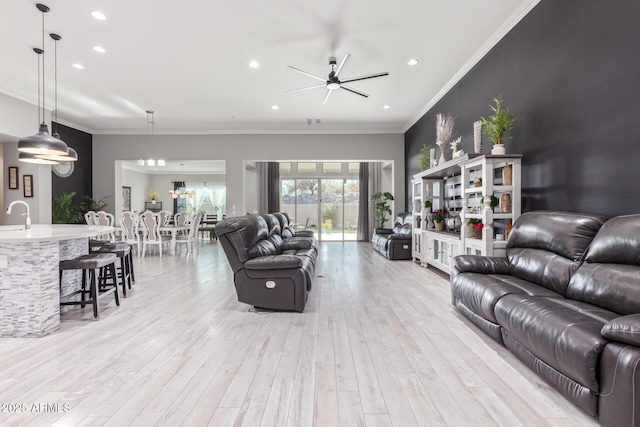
[29, 275]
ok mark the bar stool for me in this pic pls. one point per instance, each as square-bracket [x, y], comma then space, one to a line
[95, 243]
[123, 252]
[90, 263]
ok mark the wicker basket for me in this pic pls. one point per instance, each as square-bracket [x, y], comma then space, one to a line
[475, 234]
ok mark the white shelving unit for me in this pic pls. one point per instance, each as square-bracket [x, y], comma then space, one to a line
[451, 186]
[490, 169]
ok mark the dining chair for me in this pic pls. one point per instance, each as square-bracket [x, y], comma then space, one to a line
[130, 235]
[90, 218]
[105, 219]
[192, 237]
[181, 219]
[151, 232]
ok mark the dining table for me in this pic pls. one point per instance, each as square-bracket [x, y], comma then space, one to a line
[173, 230]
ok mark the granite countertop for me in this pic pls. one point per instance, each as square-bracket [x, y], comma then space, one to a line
[50, 232]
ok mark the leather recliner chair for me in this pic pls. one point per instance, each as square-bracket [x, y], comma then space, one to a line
[395, 243]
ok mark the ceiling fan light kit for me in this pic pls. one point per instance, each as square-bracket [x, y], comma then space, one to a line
[333, 82]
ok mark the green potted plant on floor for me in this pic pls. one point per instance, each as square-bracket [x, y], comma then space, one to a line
[497, 124]
[381, 207]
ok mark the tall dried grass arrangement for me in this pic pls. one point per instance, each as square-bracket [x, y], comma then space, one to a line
[444, 128]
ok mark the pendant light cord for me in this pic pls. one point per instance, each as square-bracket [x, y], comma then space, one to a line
[55, 76]
[39, 88]
[43, 74]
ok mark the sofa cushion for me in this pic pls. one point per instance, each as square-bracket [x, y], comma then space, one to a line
[546, 247]
[480, 292]
[562, 333]
[625, 329]
[610, 275]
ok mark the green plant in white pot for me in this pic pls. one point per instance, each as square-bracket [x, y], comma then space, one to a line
[497, 124]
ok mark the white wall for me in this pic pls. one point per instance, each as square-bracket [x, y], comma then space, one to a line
[237, 149]
[140, 184]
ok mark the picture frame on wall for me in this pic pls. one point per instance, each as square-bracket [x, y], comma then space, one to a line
[126, 198]
[13, 178]
[27, 185]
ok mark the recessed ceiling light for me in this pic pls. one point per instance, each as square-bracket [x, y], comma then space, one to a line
[254, 64]
[78, 66]
[99, 49]
[98, 15]
[412, 61]
[386, 107]
[275, 107]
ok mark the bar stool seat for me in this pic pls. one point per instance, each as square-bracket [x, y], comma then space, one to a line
[123, 252]
[90, 263]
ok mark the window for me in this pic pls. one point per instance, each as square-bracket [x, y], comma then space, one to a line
[331, 167]
[285, 167]
[307, 167]
[354, 167]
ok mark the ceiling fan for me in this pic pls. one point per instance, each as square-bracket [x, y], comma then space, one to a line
[333, 82]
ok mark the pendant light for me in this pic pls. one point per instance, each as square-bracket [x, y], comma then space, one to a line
[176, 193]
[150, 161]
[72, 155]
[42, 142]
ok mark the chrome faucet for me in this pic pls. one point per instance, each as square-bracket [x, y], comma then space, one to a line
[27, 222]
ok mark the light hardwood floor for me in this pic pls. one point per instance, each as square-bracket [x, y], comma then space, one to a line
[379, 344]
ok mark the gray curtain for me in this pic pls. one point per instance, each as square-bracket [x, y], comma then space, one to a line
[364, 228]
[375, 183]
[263, 187]
[269, 187]
[273, 190]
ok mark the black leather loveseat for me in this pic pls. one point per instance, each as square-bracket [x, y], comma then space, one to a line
[269, 271]
[566, 301]
[395, 243]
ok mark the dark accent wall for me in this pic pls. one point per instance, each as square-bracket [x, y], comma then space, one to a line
[570, 72]
[81, 180]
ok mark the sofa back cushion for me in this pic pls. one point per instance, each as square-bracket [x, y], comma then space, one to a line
[403, 223]
[239, 237]
[610, 275]
[546, 247]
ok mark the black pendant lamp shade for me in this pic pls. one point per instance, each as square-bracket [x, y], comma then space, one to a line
[42, 142]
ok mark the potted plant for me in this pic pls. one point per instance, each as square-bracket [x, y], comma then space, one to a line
[497, 124]
[424, 158]
[493, 203]
[475, 228]
[153, 195]
[382, 208]
[438, 219]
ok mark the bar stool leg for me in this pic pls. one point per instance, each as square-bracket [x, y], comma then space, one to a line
[94, 293]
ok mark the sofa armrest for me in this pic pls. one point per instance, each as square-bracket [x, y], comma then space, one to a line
[304, 233]
[296, 244]
[273, 262]
[624, 329]
[379, 230]
[481, 264]
[400, 237]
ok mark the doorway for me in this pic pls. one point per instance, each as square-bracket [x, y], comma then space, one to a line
[326, 206]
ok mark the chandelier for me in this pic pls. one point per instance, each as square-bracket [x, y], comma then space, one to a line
[176, 193]
[150, 161]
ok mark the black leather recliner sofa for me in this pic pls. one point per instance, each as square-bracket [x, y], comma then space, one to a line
[566, 301]
[395, 243]
[269, 271]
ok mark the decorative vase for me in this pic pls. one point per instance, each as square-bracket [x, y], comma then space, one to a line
[477, 136]
[505, 203]
[443, 147]
[439, 225]
[153, 202]
[507, 229]
[451, 224]
[430, 223]
[498, 149]
[506, 174]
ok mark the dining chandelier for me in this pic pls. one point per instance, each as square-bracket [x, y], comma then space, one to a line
[177, 193]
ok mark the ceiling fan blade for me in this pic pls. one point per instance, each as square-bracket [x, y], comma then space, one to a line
[342, 64]
[370, 76]
[352, 90]
[322, 79]
[324, 101]
[305, 88]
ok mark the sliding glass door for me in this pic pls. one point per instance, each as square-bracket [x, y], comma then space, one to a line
[328, 207]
